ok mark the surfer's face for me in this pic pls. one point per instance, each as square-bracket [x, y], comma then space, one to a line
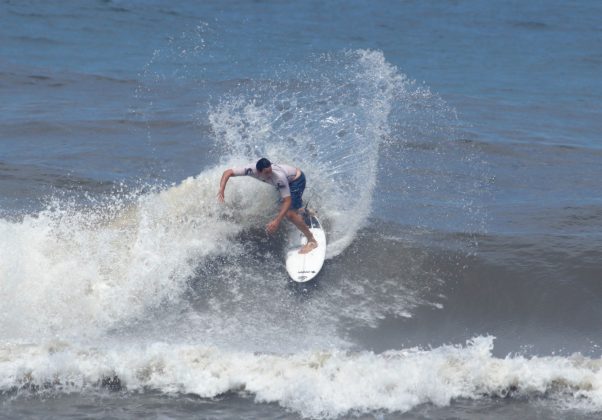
[266, 172]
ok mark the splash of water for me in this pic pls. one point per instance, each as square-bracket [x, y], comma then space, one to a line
[330, 122]
[73, 271]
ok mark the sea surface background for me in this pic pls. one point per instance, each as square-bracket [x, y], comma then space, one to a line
[453, 150]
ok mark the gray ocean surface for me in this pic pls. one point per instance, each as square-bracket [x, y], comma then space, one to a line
[452, 149]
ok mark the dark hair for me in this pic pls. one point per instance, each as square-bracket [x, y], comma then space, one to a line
[262, 164]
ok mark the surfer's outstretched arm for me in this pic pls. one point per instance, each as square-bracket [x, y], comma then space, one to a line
[222, 184]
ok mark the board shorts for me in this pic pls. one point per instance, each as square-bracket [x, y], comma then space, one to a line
[297, 187]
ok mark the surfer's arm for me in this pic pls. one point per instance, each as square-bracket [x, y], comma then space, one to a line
[222, 184]
[286, 205]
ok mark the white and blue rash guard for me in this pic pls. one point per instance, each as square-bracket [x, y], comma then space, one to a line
[280, 177]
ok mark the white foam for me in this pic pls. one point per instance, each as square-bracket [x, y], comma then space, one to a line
[313, 384]
[80, 273]
[77, 271]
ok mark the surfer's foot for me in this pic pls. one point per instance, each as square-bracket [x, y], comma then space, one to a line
[309, 246]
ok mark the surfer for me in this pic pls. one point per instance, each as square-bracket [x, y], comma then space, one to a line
[289, 181]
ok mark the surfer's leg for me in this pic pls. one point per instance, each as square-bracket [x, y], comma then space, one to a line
[297, 187]
[297, 220]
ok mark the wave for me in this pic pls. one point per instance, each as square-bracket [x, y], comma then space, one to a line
[85, 128]
[322, 384]
[75, 269]
[173, 262]
[20, 76]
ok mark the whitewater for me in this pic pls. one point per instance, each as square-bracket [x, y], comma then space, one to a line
[82, 280]
[462, 261]
[322, 384]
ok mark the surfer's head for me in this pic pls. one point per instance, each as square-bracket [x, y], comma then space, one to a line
[262, 164]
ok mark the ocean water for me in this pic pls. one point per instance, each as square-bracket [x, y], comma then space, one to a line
[453, 150]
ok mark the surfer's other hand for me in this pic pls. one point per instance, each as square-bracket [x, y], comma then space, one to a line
[272, 226]
[220, 196]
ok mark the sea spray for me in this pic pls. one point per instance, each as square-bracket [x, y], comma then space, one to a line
[328, 120]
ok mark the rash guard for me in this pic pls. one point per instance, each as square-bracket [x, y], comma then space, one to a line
[280, 177]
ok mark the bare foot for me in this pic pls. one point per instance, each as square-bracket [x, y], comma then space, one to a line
[310, 246]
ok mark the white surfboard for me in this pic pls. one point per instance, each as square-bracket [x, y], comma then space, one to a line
[304, 267]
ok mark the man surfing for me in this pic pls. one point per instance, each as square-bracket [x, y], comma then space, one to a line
[289, 181]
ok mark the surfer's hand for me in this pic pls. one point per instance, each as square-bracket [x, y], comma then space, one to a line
[272, 226]
[220, 196]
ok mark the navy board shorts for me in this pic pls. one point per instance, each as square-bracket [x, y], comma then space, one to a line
[297, 187]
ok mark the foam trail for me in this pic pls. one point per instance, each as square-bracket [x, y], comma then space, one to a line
[313, 384]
